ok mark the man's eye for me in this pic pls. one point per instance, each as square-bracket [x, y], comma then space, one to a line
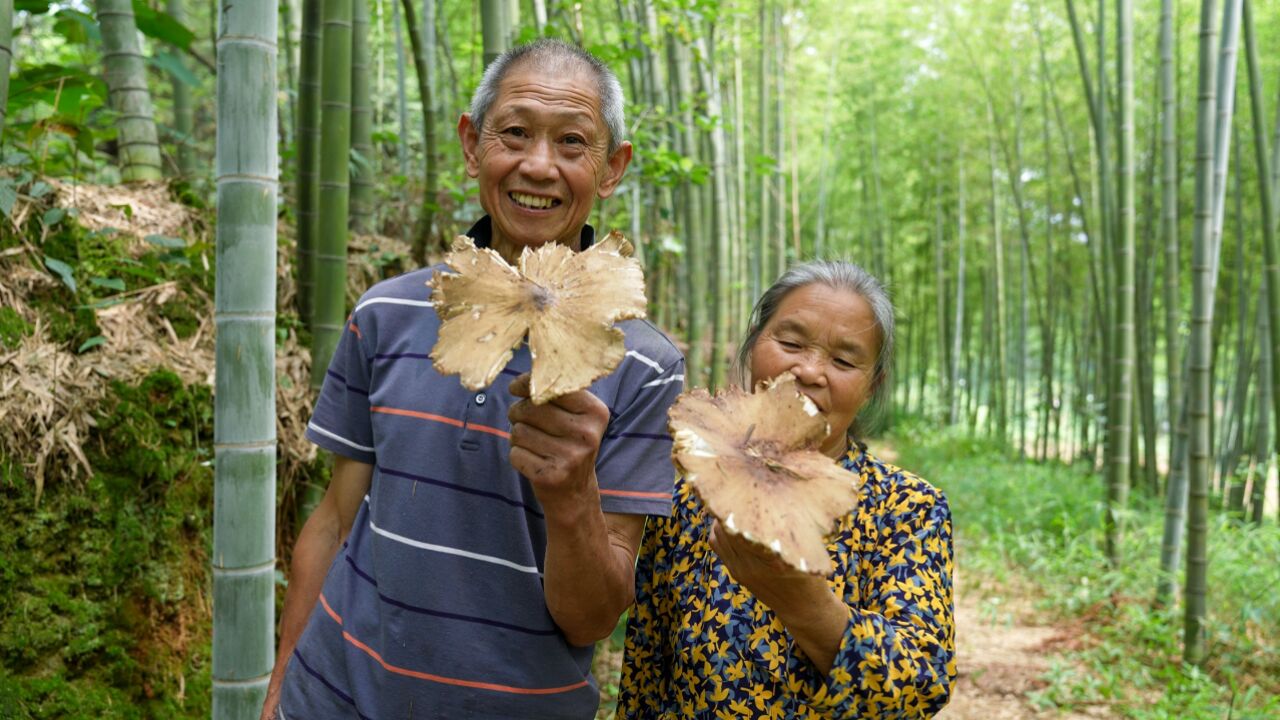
[574, 140]
[514, 131]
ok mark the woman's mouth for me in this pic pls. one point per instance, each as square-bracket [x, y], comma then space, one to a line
[815, 402]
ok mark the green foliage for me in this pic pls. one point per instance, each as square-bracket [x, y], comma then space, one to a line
[1044, 521]
[161, 26]
[100, 586]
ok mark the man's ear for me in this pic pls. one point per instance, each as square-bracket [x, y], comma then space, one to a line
[469, 135]
[617, 165]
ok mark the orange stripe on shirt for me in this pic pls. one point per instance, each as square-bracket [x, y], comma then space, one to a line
[490, 430]
[441, 419]
[416, 414]
[329, 610]
[637, 494]
[440, 678]
[356, 330]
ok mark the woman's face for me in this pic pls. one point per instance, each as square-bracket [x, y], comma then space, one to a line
[829, 340]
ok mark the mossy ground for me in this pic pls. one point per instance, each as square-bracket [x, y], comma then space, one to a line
[102, 586]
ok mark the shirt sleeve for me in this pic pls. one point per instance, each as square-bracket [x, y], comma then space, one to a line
[341, 422]
[897, 656]
[634, 469]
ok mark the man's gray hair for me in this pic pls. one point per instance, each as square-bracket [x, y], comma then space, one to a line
[838, 275]
[554, 57]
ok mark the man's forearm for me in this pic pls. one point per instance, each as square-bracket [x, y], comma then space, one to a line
[588, 578]
[317, 544]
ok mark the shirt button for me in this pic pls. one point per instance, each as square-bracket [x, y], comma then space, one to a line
[480, 398]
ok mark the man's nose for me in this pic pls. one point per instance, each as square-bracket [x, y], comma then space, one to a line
[539, 162]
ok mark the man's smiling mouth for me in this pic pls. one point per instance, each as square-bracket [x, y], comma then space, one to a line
[533, 202]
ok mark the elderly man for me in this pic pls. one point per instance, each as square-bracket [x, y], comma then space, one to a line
[472, 546]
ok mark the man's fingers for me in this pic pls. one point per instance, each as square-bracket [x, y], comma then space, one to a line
[527, 463]
[520, 386]
[581, 402]
[557, 422]
[532, 439]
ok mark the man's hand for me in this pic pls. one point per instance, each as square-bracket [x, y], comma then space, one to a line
[588, 572]
[555, 444]
[318, 543]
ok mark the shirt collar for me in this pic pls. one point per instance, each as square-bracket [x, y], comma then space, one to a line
[482, 233]
[855, 454]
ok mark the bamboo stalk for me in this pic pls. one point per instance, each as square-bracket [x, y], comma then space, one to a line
[1267, 199]
[126, 75]
[308, 187]
[1124, 347]
[362, 168]
[6, 55]
[335, 148]
[1198, 348]
[244, 399]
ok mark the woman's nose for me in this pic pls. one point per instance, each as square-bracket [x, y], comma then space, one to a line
[808, 369]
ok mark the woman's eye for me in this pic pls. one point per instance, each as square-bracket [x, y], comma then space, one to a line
[789, 345]
[846, 364]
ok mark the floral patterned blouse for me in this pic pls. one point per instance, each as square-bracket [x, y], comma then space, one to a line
[699, 645]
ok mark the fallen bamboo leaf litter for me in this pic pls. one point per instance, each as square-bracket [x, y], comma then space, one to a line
[753, 459]
[565, 302]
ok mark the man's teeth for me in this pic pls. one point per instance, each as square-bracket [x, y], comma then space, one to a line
[533, 201]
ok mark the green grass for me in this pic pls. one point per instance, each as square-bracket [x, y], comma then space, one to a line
[1017, 521]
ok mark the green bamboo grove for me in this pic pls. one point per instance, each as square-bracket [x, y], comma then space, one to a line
[1074, 204]
[1061, 285]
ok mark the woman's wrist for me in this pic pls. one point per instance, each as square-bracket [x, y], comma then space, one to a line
[803, 603]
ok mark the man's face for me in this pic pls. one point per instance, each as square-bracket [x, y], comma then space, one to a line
[542, 157]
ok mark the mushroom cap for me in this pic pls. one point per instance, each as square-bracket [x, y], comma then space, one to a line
[565, 302]
[753, 459]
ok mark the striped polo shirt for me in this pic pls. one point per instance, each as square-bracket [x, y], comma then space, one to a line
[434, 606]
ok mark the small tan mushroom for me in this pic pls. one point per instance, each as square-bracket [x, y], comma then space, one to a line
[753, 459]
[566, 302]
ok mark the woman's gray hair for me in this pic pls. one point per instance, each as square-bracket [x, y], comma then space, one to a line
[554, 57]
[838, 275]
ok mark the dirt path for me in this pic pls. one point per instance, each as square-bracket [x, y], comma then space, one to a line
[1002, 654]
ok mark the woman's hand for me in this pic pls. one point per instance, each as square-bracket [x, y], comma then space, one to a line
[804, 603]
[764, 573]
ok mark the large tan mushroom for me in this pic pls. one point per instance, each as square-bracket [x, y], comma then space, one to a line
[566, 302]
[753, 459]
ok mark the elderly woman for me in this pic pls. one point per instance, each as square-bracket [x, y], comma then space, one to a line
[723, 629]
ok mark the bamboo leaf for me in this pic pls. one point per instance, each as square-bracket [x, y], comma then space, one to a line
[105, 282]
[77, 27]
[91, 343]
[62, 270]
[170, 63]
[35, 7]
[53, 216]
[165, 241]
[161, 26]
[8, 196]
